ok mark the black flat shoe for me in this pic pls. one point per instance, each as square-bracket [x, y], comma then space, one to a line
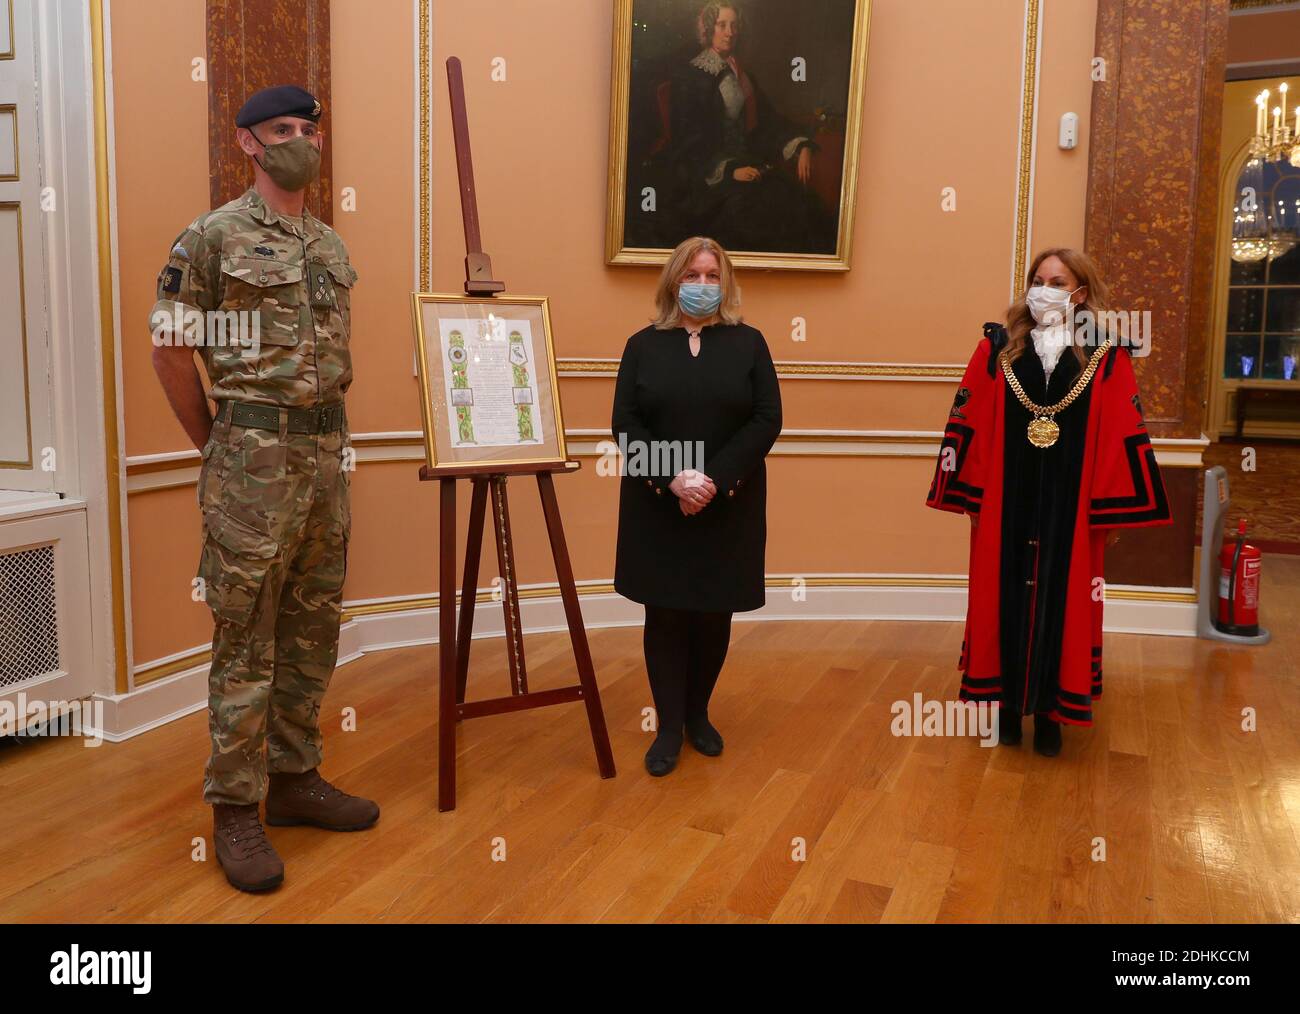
[1008, 727]
[704, 737]
[662, 756]
[1047, 736]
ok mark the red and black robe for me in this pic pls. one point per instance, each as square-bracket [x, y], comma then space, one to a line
[1039, 520]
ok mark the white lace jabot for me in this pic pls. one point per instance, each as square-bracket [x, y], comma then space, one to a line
[1049, 343]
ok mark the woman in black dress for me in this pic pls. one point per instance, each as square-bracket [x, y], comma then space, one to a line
[696, 409]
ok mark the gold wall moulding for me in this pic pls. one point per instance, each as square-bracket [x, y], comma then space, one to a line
[796, 370]
[108, 344]
[376, 448]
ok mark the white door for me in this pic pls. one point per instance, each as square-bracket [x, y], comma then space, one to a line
[46, 628]
[25, 403]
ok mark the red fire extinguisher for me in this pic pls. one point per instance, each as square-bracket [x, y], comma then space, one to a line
[1239, 573]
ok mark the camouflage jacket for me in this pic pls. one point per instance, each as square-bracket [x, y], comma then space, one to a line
[265, 299]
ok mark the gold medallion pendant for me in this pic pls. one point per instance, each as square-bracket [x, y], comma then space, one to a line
[1043, 432]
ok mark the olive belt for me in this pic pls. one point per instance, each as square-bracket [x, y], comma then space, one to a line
[317, 419]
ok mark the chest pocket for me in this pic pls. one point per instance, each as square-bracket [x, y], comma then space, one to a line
[339, 277]
[272, 289]
[344, 278]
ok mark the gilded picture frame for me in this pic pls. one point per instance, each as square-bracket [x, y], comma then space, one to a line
[489, 393]
[684, 118]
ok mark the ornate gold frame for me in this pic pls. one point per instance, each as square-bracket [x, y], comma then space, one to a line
[114, 501]
[1028, 138]
[615, 220]
[422, 369]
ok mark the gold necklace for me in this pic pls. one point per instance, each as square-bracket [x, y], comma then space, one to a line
[1043, 430]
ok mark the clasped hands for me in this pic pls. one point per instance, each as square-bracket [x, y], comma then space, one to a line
[694, 490]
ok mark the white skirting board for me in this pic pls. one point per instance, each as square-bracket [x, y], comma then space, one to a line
[185, 692]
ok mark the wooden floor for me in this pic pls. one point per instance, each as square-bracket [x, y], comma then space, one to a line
[1200, 820]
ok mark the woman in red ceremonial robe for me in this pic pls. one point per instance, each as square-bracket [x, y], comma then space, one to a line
[1046, 450]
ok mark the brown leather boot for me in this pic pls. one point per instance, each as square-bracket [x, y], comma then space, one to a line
[245, 854]
[309, 799]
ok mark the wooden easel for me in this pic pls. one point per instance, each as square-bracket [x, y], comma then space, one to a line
[454, 638]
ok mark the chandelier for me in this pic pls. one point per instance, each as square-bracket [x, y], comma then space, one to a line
[1258, 231]
[1283, 224]
[1250, 225]
[1275, 142]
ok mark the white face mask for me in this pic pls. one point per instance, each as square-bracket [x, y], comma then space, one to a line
[1048, 304]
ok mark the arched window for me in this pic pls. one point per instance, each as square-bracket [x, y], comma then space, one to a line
[1263, 322]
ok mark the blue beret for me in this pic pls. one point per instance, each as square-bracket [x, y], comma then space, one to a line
[282, 100]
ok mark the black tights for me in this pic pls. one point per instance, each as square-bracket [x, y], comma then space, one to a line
[684, 652]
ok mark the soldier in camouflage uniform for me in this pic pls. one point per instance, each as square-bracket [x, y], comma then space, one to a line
[274, 482]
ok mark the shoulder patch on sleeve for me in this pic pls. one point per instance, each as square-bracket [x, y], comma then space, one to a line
[187, 246]
[171, 280]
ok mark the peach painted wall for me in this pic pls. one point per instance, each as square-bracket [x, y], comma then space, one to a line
[922, 281]
[160, 118]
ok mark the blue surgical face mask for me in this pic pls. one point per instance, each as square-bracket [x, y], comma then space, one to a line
[699, 300]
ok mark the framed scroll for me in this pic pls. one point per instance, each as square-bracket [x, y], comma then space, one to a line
[488, 387]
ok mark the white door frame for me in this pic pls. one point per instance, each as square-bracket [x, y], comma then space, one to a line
[78, 237]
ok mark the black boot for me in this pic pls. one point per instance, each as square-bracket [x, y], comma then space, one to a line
[661, 758]
[1047, 736]
[703, 736]
[1008, 726]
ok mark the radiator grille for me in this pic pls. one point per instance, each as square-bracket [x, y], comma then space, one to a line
[29, 622]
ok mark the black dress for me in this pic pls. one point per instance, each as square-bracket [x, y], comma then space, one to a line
[727, 398]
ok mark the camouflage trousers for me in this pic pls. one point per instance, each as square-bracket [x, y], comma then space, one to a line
[276, 522]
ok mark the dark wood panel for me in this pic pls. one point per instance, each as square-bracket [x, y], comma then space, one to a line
[1150, 225]
[1159, 557]
[255, 44]
[1153, 187]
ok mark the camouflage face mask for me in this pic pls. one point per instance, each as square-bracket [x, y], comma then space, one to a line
[292, 165]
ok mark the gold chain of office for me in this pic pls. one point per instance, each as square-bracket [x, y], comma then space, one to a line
[1043, 430]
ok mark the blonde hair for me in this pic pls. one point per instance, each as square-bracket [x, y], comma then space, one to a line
[1020, 320]
[669, 314]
